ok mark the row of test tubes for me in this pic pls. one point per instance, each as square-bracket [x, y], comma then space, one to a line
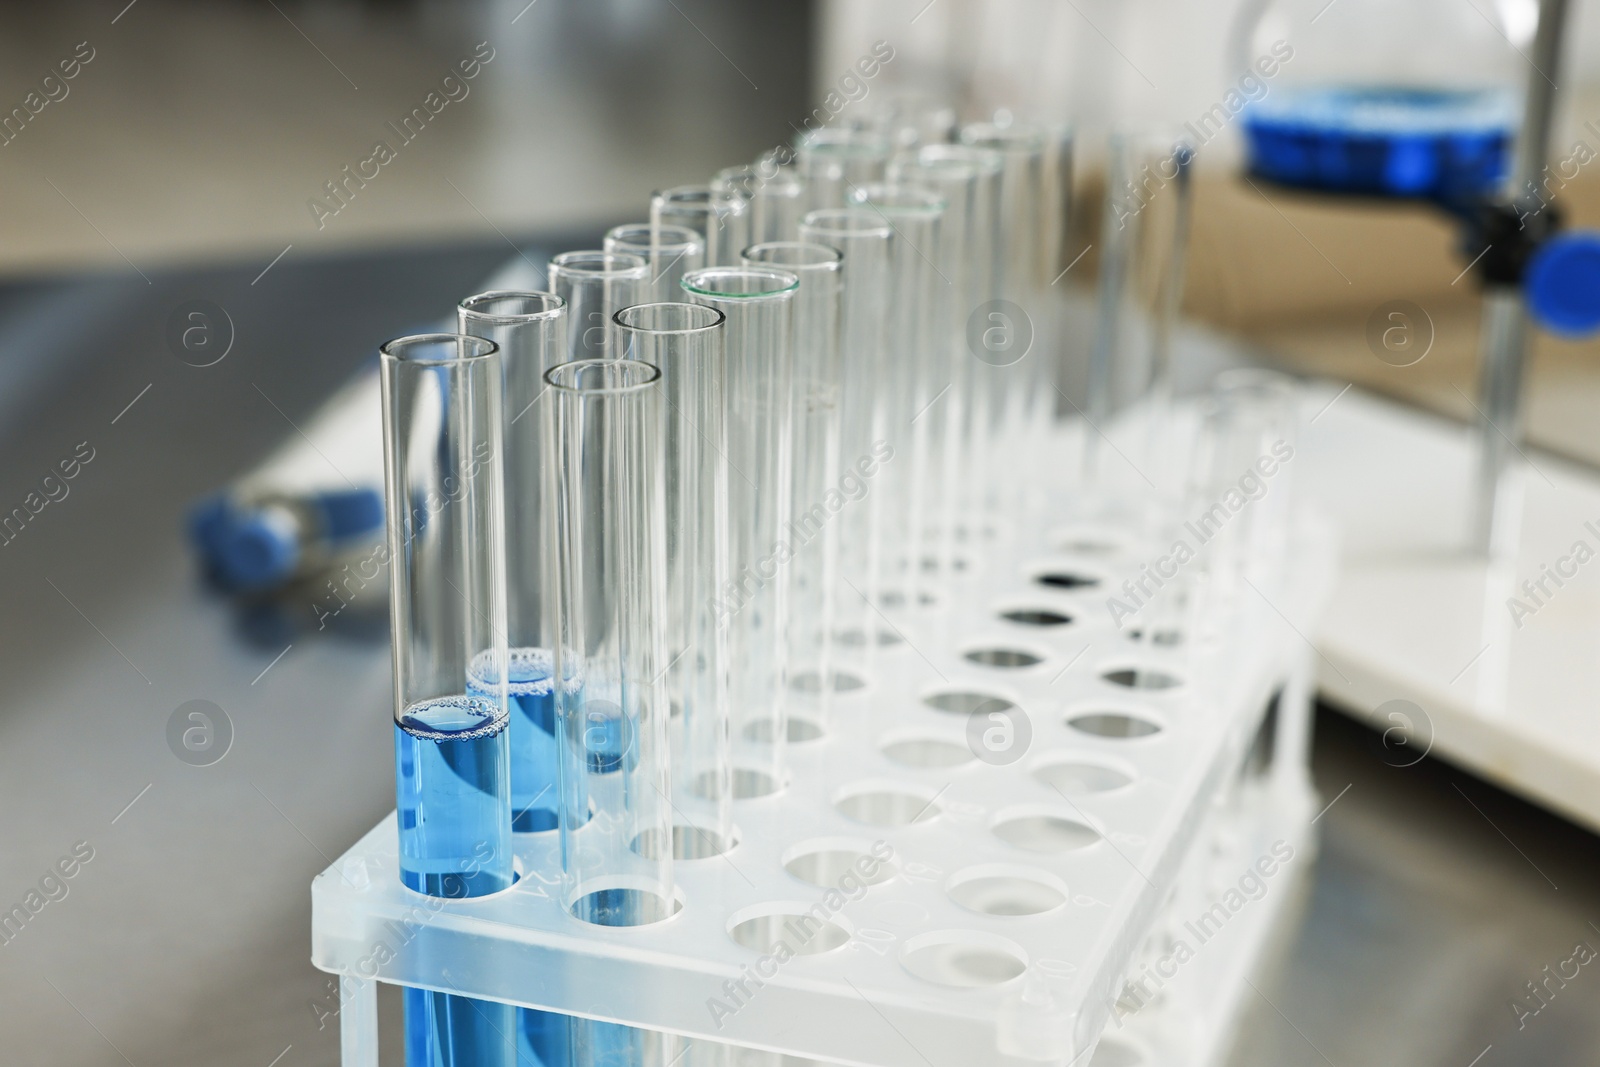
[646, 526]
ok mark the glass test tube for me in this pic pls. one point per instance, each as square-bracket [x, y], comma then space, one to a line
[607, 571]
[1144, 235]
[910, 119]
[862, 235]
[685, 341]
[721, 218]
[1019, 369]
[956, 180]
[595, 285]
[969, 178]
[910, 374]
[529, 329]
[835, 159]
[1236, 507]
[775, 194]
[670, 251]
[758, 304]
[816, 464]
[442, 480]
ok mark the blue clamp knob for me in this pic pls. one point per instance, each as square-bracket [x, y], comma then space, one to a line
[1562, 284]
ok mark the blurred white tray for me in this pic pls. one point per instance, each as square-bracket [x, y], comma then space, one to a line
[1416, 619]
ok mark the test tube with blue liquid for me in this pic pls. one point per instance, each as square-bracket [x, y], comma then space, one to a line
[530, 330]
[605, 481]
[442, 450]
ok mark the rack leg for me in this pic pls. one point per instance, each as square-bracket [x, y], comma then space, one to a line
[358, 1022]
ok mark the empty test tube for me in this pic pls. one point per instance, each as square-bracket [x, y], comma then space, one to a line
[1144, 234]
[775, 194]
[685, 342]
[956, 177]
[862, 235]
[911, 373]
[608, 571]
[836, 159]
[1019, 369]
[595, 285]
[814, 524]
[669, 251]
[442, 454]
[759, 310]
[721, 217]
[969, 180]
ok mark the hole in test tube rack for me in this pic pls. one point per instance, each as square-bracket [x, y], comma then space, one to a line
[1076, 776]
[964, 534]
[1040, 829]
[966, 702]
[963, 959]
[888, 804]
[926, 751]
[1116, 725]
[822, 862]
[1142, 678]
[933, 564]
[894, 599]
[762, 928]
[1066, 580]
[837, 682]
[1045, 617]
[855, 637]
[1115, 1052]
[1166, 637]
[1004, 889]
[622, 904]
[688, 843]
[1008, 659]
[1085, 542]
[799, 730]
[748, 784]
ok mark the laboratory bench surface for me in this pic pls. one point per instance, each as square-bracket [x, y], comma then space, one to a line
[181, 936]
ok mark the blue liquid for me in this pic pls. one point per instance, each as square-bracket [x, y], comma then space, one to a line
[535, 802]
[530, 691]
[453, 797]
[452, 785]
[445, 1030]
[546, 1039]
[1450, 145]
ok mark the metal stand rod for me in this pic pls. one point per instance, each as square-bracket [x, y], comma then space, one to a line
[1503, 340]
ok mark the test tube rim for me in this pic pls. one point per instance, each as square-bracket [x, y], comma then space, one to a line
[876, 224]
[1020, 136]
[571, 263]
[722, 179]
[392, 350]
[554, 307]
[689, 331]
[987, 161]
[834, 262]
[787, 279]
[706, 195]
[933, 205]
[928, 171]
[687, 240]
[577, 366]
[842, 141]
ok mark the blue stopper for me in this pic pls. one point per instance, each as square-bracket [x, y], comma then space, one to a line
[349, 512]
[257, 552]
[1562, 284]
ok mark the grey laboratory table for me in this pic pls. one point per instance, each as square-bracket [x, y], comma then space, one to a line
[181, 936]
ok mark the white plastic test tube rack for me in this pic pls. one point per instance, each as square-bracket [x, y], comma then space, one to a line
[1015, 901]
